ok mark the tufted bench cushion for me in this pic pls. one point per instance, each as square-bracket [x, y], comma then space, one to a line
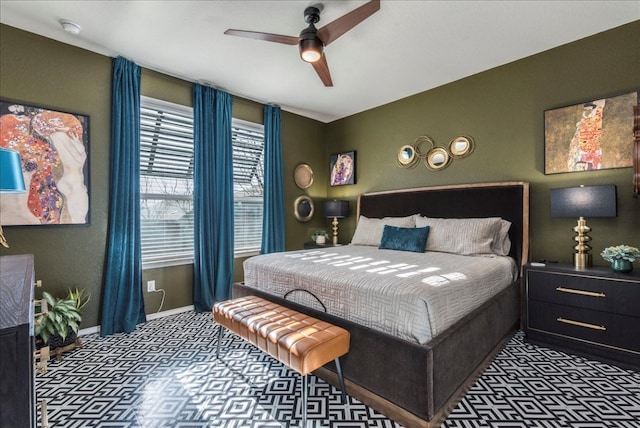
[299, 341]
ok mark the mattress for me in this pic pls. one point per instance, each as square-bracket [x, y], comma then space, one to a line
[413, 296]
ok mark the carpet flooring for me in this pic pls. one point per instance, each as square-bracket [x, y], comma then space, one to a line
[165, 374]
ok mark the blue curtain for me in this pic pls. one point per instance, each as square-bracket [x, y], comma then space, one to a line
[122, 303]
[213, 197]
[273, 238]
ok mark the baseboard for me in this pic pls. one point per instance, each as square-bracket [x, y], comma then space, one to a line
[96, 330]
[175, 311]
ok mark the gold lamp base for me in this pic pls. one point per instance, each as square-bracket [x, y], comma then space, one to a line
[335, 231]
[582, 258]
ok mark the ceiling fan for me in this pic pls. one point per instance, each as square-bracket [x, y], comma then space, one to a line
[311, 40]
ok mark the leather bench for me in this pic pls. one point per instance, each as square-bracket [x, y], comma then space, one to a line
[299, 341]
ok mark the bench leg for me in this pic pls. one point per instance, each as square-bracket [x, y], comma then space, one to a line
[341, 380]
[220, 333]
[305, 389]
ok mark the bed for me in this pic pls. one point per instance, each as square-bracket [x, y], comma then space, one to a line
[432, 366]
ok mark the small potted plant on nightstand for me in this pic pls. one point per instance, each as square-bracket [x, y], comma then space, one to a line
[621, 257]
[319, 237]
[57, 325]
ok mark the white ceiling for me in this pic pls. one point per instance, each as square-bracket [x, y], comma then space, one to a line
[405, 48]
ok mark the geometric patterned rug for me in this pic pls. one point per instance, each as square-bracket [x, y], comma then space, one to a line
[165, 374]
[534, 386]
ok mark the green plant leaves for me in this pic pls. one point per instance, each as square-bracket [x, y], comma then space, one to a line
[79, 297]
[61, 315]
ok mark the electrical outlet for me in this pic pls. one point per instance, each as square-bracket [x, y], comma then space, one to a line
[151, 285]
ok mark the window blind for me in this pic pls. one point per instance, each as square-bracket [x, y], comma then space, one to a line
[248, 180]
[166, 184]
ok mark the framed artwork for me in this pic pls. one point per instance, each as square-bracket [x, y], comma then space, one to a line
[590, 136]
[54, 151]
[342, 169]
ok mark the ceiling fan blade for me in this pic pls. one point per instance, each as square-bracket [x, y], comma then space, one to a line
[268, 37]
[322, 68]
[337, 28]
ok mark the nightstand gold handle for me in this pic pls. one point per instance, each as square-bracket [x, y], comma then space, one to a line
[581, 292]
[581, 324]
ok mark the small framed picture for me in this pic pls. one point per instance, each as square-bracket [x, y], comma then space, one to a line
[342, 169]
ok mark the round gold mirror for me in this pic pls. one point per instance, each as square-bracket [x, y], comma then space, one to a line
[303, 176]
[461, 146]
[303, 208]
[437, 159]
[407, 156]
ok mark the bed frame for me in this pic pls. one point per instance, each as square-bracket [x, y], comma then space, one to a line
[418, 385]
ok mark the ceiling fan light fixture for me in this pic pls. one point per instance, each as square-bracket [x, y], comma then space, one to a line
[311, 49]
[311, 41]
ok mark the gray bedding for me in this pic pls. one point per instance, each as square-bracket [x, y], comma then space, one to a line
[413, 296]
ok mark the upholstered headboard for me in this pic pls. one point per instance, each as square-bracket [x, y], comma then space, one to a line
[509, 200]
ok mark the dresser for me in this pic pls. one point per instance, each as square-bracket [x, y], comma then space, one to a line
[17, 388]
[594, 312]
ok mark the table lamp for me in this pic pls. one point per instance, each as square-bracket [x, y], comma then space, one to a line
[336, 209]
[11, 178]
[581, 202]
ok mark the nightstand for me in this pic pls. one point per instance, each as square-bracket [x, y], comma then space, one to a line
[593, 312]
[311, 244]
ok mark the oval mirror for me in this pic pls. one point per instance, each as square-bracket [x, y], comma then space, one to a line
[437, 158]
[303, 208]
[303, 176]
[461, 146]
[406, 156]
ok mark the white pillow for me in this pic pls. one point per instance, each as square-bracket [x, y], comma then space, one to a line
[467, 236]
[369, 230]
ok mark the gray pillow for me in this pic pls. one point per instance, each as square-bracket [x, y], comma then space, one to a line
[502, 243]
[467, 236]
[369, 230]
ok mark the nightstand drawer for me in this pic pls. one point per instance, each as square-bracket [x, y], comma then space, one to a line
[584, 292]
[619, 331]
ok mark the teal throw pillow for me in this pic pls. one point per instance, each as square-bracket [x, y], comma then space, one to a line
[404, 238]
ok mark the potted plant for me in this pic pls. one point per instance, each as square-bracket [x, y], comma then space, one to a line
[58, 326]
[621, 257]
[319, 236]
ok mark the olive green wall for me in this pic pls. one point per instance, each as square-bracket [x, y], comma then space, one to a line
[502, 109]
[44, 72]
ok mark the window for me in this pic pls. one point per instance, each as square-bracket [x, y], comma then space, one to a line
[248, 186]
[166, 184]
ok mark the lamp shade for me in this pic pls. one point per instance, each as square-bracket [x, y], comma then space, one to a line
[311, 49]
[11, 178]
[310, 45]
[584, 201]
[336, 209]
